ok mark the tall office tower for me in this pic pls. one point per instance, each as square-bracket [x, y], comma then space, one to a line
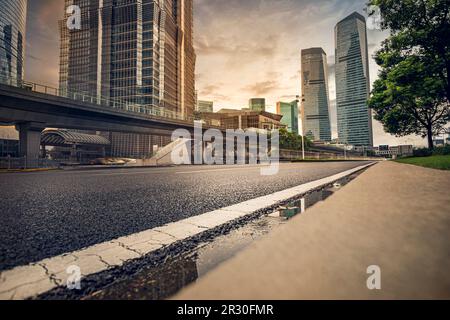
[13, 16]
[315, 113]
[289, 111]
[138, 51]
[257, 104]
[353, 82]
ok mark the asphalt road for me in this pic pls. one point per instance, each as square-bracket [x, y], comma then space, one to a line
[49, 213]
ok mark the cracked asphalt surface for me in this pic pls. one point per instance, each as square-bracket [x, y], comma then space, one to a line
[45, 214]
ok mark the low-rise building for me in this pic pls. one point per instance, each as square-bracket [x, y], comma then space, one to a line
[72, 146]
[243, 119]
[9, 148]
[394, 151]
[9, 142]
[439, 142]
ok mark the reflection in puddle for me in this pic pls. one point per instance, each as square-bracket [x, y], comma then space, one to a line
[300, 206]
[155, 283]
[163, 281]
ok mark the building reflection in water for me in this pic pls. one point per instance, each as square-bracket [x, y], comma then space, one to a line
[154, 283]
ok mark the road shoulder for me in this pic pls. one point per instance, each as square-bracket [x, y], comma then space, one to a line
[393, 216]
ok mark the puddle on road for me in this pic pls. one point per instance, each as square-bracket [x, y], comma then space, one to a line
[163, 281]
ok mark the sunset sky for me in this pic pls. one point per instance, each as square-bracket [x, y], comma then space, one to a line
[245, 48]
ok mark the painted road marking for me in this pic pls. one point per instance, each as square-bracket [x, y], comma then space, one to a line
[28, 281]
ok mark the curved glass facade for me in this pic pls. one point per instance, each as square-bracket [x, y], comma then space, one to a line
[12, 40]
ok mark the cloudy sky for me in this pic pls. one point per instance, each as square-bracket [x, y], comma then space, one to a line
[245, 48]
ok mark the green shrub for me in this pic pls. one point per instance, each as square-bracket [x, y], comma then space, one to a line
[423, 152]
[442, 151]
[438, 151]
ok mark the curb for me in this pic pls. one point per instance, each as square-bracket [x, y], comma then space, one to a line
[27, 170]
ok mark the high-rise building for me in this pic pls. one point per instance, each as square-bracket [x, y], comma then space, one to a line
[138, 51]
[257, 104]
[353, 82]
[13, 16]
[315, 95]
[205, 106]
[289, 111]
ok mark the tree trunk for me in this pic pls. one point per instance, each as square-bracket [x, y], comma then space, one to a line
[430, 138]
[448, 80]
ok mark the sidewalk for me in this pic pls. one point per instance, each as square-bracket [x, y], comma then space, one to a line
[394, 216]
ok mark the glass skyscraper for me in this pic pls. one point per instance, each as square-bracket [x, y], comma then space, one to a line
[315, 95]
[289, 111]
[353, 82]
[13, 16]
[139, 51]
[257, 104]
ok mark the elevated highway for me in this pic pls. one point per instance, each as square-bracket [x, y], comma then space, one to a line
[32, 108]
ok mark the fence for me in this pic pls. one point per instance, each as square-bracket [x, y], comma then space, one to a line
[289, 155]
[11, 163]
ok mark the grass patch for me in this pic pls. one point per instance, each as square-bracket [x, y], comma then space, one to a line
[434, 162]
[326, 160]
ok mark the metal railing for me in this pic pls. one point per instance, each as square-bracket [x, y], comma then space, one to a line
[289, 155]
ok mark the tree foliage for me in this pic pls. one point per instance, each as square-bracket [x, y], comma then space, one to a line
[412, 93]
[292, 141]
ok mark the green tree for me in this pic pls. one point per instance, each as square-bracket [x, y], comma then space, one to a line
[292, 141]
[412, 93]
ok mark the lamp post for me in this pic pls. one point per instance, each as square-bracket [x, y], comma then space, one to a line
[303, 142]
[345, 148]
[303, 127]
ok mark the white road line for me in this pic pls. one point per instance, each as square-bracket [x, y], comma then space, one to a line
[28, 281]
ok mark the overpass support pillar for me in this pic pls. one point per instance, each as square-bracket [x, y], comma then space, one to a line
[30, 142]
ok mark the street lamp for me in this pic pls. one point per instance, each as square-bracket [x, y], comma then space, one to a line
[345, 151]
[303, 142]
[303, 127]
[345, 148]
